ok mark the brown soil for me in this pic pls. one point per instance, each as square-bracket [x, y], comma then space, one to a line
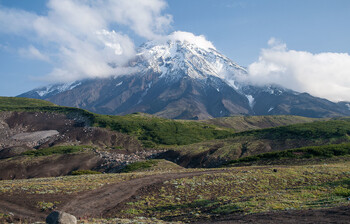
[72, 128]
[52, 166]
[104, 202]
[23, 131]
[339, 215]
[97, 203]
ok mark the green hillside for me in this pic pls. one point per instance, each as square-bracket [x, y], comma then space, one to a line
[245, 123]
[16, 102]
[150, 130]
[251, 143]
[324, 151]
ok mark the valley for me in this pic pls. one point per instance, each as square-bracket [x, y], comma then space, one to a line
[174, 112]
[142, 168]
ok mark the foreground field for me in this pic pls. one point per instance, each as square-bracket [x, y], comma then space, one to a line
[181, 195]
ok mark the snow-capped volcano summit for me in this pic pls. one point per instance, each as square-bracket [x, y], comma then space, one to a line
[184, 76]
[175, 58]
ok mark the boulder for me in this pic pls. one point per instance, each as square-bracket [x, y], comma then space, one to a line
[59, 217]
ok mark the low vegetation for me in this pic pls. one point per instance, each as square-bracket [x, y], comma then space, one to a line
[153, 165]
[246, 123]
[324, 151]
[47, 206]
[84, 172]
[65, 185]
[16, 102]
[314, 130]
[150, 130]
[153, 130]
[245, 190]
[139, 166]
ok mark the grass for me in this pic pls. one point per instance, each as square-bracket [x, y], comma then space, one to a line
[152, 165]
[237, 190]
[55, 150]
[314, 130]
[135, 220]
[45, 206]
[139, 166]
[65, 185]
[159, 131]
[7, 102]
[324, 151]
[152, 131]
[250, 143]
[245, 123]
[84, 172]
[246, 190]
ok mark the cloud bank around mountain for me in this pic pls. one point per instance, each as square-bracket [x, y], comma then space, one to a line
[89, 38]
[325, 75]
[78, 38]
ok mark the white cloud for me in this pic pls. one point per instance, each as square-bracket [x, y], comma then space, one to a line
[182, 36]
[16, 21]
[79, 35]
[200, 40]
[324, 75]
[33, 53]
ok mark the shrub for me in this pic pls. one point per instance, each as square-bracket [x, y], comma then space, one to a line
[227, 209]
[342, 191]
[138, 166]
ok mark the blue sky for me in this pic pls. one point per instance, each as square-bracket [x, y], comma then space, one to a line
[240, 29]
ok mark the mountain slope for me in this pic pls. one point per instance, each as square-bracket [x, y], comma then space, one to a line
[181, 80]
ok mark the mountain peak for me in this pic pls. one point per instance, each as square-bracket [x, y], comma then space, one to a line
[176, 57]
[184, 76]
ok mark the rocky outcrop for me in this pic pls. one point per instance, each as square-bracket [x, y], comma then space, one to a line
[44, 129]
[114, 162]
[36, 138]
[59, 217]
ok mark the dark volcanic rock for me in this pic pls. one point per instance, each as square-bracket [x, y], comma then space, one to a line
[58, 217]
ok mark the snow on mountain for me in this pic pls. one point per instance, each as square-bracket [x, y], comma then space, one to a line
[56, 88]
[183, 76]
[174, 59]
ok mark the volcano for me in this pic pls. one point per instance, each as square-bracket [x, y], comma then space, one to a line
[180, 79]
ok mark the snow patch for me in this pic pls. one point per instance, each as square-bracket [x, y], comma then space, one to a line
[119, 83]
[273, 91]
[145, 92]
[57, 88]
[271, 108]
[250, 101]
[348, 105]
[217, 89]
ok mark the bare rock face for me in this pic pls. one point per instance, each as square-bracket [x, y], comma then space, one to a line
[59, 217]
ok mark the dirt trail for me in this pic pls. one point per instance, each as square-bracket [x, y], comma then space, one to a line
[23, 213]
[99, 202]
[337, 215]
[103, 201]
